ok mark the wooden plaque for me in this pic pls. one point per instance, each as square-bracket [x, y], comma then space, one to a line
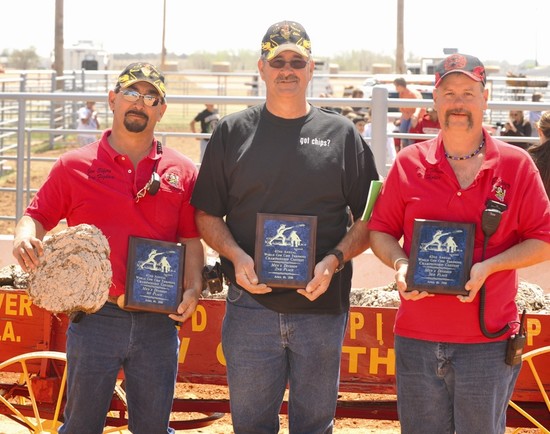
[154, 275]
[441, 257]
[285, 249]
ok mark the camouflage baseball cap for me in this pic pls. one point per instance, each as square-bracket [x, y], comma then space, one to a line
[283, 36]
[463, 63]
[141, 71]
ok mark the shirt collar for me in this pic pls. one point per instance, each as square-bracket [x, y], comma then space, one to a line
[104, 143]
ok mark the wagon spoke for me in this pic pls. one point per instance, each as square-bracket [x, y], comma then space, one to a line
[529, 359]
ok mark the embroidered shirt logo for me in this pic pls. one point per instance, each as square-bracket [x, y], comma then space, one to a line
[173, 179]
[500, 188]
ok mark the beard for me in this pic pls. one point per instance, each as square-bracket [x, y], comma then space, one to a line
[136, 125]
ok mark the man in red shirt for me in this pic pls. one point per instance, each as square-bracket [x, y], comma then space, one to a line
[451, 368]
[106, 184]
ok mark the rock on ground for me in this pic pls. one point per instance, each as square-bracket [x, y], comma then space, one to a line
[529, 297]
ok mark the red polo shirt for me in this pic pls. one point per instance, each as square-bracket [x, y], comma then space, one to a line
[422, 184]
[96, 185]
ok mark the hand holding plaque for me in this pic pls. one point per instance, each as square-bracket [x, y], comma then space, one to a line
[154, 275]
[285, 249]
[441, 257]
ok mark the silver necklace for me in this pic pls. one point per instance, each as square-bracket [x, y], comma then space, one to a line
[466, 157]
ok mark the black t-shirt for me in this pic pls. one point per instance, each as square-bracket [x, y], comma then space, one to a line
[315, 165]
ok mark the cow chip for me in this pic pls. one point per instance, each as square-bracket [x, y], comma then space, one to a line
[74, 273]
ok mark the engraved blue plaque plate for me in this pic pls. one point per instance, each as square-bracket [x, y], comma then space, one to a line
[441, 256]
[154, 275]
[285, 249]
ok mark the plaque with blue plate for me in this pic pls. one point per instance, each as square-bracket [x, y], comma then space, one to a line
[154, 275]
[285, 249]
[441, 257]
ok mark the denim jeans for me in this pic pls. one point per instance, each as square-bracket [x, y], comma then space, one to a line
[145, 345]
[265, 350]
[404, 127]
[444, 387]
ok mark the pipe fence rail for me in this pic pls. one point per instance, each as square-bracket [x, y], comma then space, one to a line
[26, 115]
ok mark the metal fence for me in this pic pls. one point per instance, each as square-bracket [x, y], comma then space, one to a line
[25, 115]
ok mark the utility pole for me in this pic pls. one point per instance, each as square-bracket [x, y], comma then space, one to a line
[400, 49]
[163, 51]
[59, 42]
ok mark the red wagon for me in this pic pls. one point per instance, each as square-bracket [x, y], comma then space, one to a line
[32, 367]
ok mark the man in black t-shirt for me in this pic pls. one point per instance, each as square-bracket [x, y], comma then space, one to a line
[284, 157]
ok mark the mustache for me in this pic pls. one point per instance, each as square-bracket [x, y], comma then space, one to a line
[137, 113]
[459, 111]
[290, 77]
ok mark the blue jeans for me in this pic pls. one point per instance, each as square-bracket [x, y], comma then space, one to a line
[265, 350]
[145, 345]
[443, 387]
[404, 127]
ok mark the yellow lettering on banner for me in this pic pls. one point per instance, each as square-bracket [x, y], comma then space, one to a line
[356, 322]
[8, 334]
[198, 320]
[354, 353]
[376, 360]
[379, 335]
[25, 304]
[14, 304]
[220, 356]
[11, 304]
[184, 347]
[533, 329]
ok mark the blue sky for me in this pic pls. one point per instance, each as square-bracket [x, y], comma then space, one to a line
[490, 29]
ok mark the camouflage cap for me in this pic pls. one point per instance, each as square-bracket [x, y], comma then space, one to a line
[283, 36]
[141, 71]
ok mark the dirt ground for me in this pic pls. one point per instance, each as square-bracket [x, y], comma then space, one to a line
[223, 425]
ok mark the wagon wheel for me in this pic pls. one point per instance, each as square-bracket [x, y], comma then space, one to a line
[528, 357]
[22, 398]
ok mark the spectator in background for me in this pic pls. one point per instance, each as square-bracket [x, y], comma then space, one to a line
[408, 114]
[348, 90]
[541, 151]
[390, 143]
[87, 120]
[208, 118]
[427, 124]
[534, 115]
[517, 126]
[360, 122]
[358, 93]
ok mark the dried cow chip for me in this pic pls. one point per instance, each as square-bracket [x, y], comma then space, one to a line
[74, 273]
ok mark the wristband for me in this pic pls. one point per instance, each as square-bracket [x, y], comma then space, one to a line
[340, 256]
[397, 260]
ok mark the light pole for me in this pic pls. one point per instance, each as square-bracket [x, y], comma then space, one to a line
[400, 49]
[163, 51]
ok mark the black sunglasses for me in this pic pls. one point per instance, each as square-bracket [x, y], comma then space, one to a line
[133, 96]
[279, 63]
